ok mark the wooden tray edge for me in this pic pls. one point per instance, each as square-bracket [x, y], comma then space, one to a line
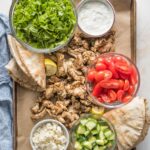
[133, 56]
[14, 106]
[133, 30]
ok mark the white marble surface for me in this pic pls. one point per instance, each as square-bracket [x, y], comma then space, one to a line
[143, 55]
[143, 50]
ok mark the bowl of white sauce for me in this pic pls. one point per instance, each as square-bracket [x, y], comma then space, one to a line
[49, 134]
[95, 17]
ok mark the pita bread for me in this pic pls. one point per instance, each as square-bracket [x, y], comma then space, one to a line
[14, 52]
[147, 122]
[129, 123]
[19, 76]
[34, 63]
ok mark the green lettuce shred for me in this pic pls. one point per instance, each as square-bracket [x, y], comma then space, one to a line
[43, 23]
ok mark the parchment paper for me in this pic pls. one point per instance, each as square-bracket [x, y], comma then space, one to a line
[25, 98]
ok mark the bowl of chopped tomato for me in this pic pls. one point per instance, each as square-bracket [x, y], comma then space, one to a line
[112, 80]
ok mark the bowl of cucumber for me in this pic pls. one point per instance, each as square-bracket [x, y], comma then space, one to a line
[93, 132]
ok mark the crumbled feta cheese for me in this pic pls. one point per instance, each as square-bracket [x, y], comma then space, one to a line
[49, 136]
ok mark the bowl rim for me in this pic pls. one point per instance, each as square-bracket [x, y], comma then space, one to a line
[105, 33]
[41, 50]
[97, 117]
[94, 99]
[40, 123]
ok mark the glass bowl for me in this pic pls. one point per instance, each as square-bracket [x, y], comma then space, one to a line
[39, 124]
[117, 103]
[41, 50]
[107, 3]
[97, 117]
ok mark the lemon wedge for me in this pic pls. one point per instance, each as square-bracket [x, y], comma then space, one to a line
[97, 110]
[51, 67]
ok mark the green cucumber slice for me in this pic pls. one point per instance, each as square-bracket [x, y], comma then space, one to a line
[81, 129]
[96, 147]
[78, 146]
[92, 139]
[87, 144]
[94, 132]
[86, 133]
[101, 135]
[111, 137]
[83, 121]
[102, 148]
[108, 133]
[98, 127]
[103, 128]
[82, 139]
[91, 125]
[109, 144]
[100, 142]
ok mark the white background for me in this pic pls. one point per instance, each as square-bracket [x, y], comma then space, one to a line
[143, 50]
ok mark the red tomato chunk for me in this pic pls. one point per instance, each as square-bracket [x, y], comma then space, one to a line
[113, 79]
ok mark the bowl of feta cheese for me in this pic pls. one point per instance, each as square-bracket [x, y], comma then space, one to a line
[49, 134]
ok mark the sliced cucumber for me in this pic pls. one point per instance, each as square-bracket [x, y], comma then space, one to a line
[83, 121]
[96, 147]
[78, 146]
[93, 135]
[98, 127]
[81, 129]
[102, 148]
[101, 135]
[91, 125]
[85, 148]
[87, 144]
[111, 137]
[86, 133]
[107, 133]
[92, 139]
[103, 128]
[94, 132]
[82, 139]
[109, 144]
[100, 142]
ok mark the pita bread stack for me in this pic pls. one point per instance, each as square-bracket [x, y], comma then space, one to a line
[131, 122]
[26, 68]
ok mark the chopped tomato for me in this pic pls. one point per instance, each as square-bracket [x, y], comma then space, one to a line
[127, 98]
[91, 75]
[100, 99]
[126, 85]
[133, 77]
[121, 84]
[123, 68]
[113, 79]
[105, 98]
[112, 95]
[99, 76]
[100, 66]
[120, 94]
[108, 60]
[119, 59]
[105, 91]
[111, 67]
[97, 90]
[131, 89]
[107, 74]
[110, 84]
[123, 76]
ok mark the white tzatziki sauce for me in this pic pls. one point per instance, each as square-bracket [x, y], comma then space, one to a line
[95, 17]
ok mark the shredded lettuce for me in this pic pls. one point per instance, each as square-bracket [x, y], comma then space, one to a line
[43, 23]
